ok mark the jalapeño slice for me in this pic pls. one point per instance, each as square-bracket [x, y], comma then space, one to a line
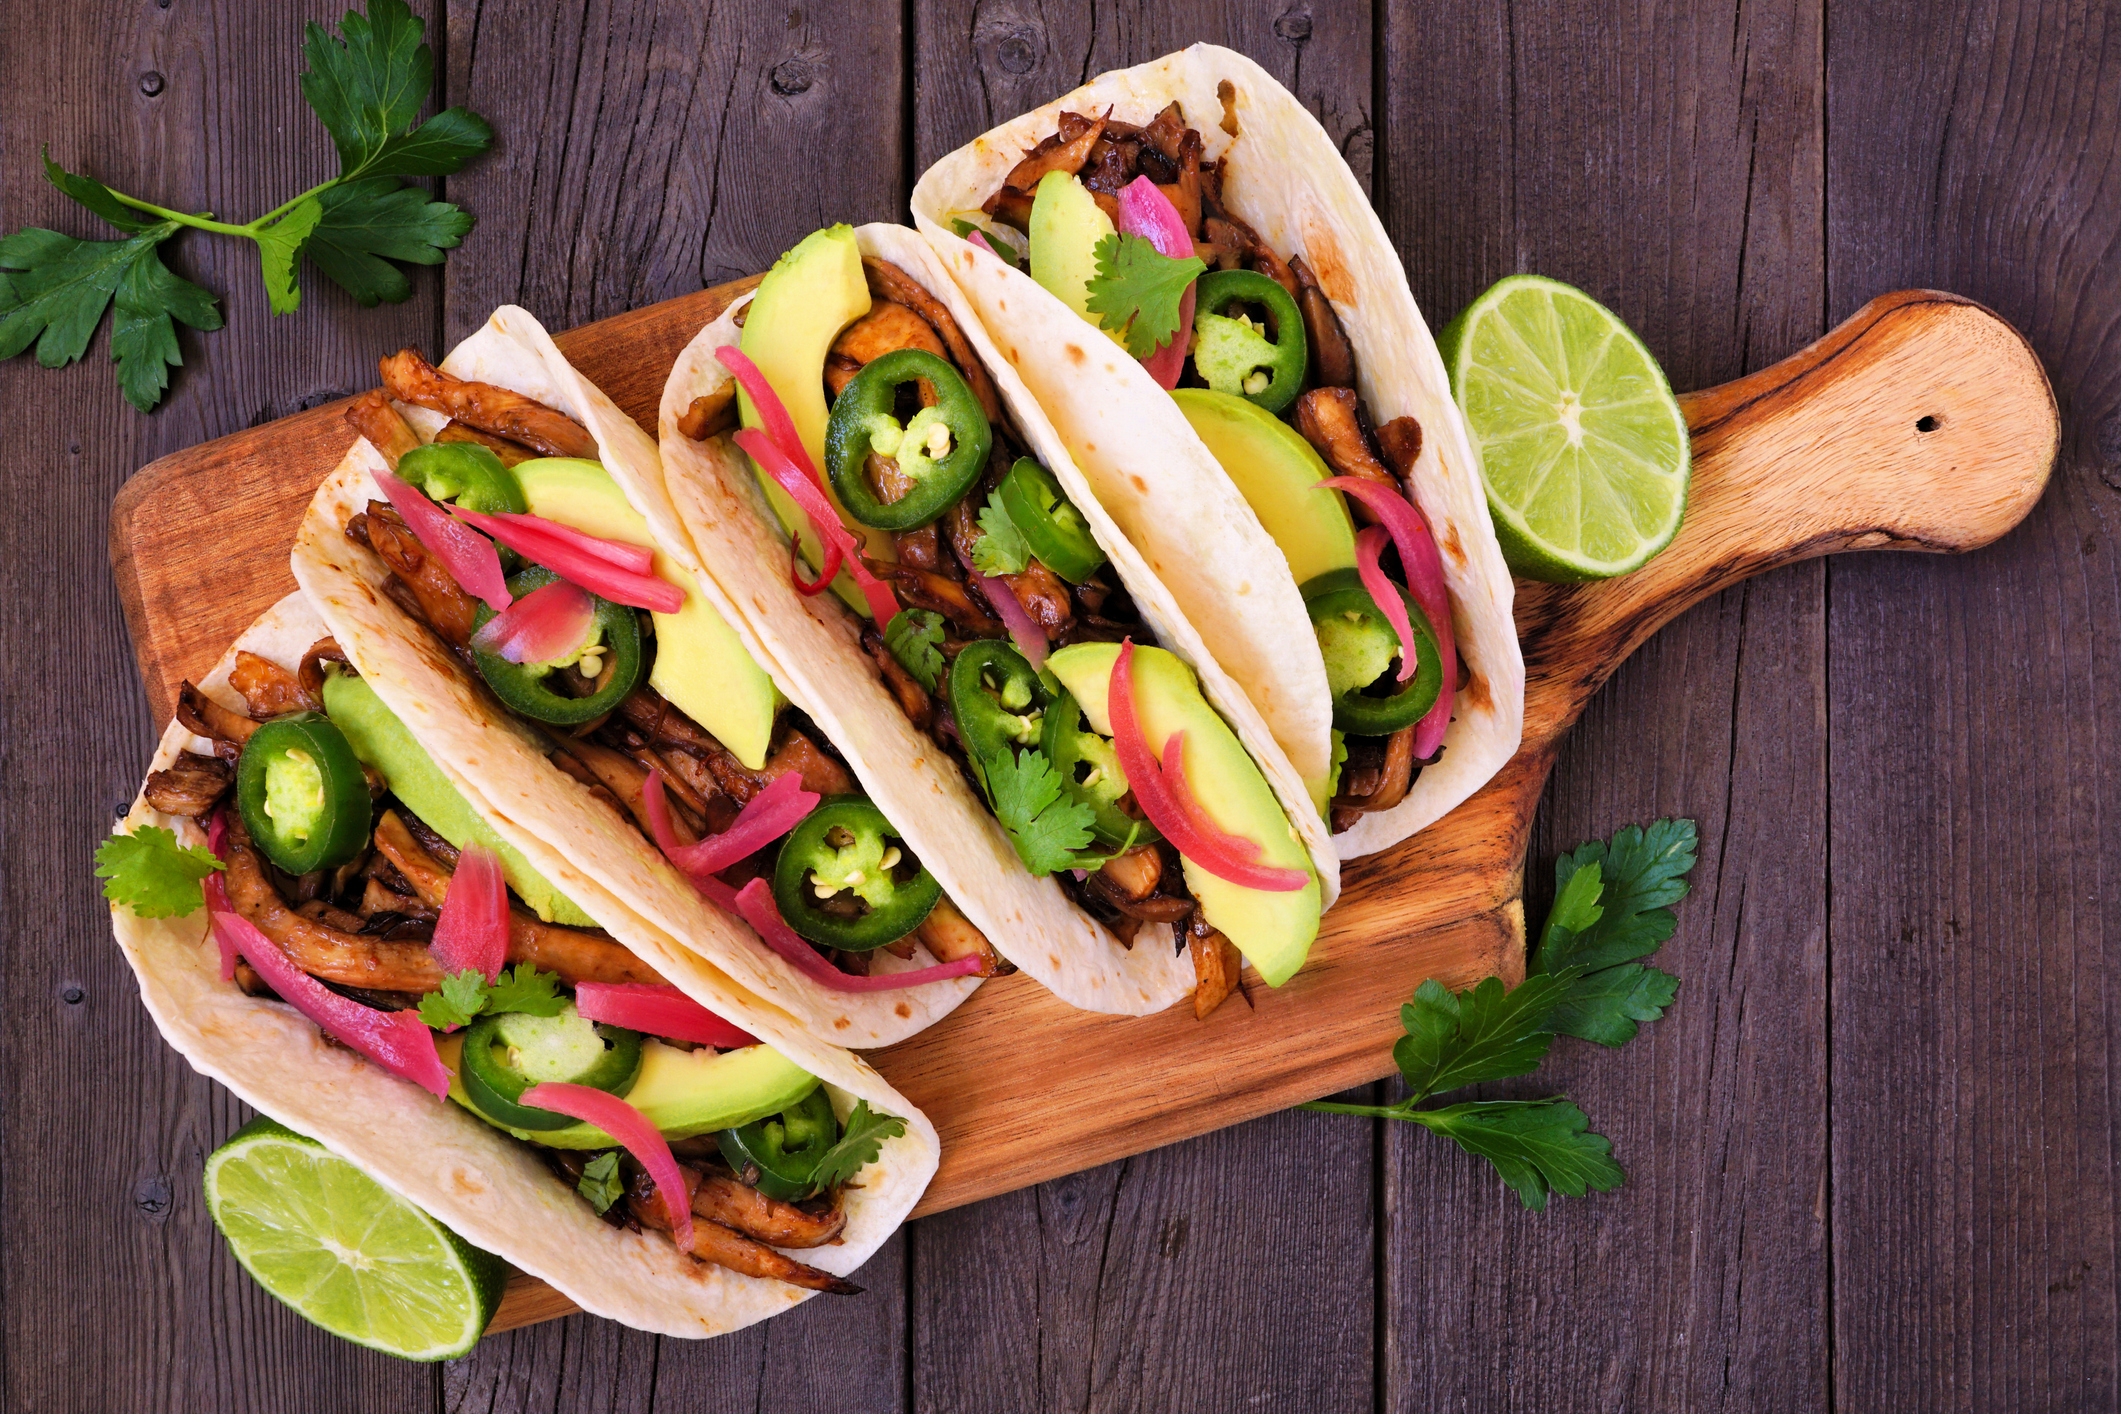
[1052, 526]
[780, 1156]
[1089, 769]
[466, 473]
[941, 449]
[528, 687]
[302, 794]
[995, 698]
[505, 1055]
[1232, 354]
[846, 851]
[1360, 646]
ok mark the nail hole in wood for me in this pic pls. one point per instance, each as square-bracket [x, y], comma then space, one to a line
[151, 83]
[1928, 423]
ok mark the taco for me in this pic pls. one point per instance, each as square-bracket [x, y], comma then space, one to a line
[629, 727]
[308, 980]
[983, 610]
[1262, 340]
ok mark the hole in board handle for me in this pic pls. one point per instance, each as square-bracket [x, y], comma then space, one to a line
[1928, 423]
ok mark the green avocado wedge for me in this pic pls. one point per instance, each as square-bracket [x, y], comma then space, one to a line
[700, 664]
[1277, 472]
[1273, 930]
[1066, 225]
[382, 741]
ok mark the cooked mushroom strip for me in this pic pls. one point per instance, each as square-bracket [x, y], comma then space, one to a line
[1329, 421]
[625, 778]
[191, 786]
[1185, 192]
[710, 414]
[721, 1199]
[1400, 439]
[920, 548]
[950, 935]
[510, 453]
[818, 770]
[1135, 874]
[1332, 356]
[448, 610]
[577, 956]
[202, 716]
[676, 737]
[1065, 151]
[888, 327]
[1216, 963]
[1232, 231]
[929, 590]
[725, 1247]
[412, 379]
[912, 697]
[311, 671]
[269, 689]
[389, 433]
[325, 952]
[887, 281]
[1393, 775]
[378, 899]
[1044, 596]
[1156, 908]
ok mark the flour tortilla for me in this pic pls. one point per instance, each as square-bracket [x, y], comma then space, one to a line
[1285, 177]
[811, 645]
[557, 822]
[485, 1186]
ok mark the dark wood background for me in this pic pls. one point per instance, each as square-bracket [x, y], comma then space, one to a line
[1871, 1152]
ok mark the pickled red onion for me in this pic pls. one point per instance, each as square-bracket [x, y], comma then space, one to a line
[1226, 856]
[773, 812]
[631, 1128]
[639, 559]
[469, 557]
[472, 930]
[530, 537]
[755, 902]
[1423, 567]
[217, 891]
[396, 1040]
[1145, 211]
[1173, 769]
[1030, 638]
[1385, 594]
[979, 238]
[657, 1011]
[773, 413]
[549, 622]
[839, 543]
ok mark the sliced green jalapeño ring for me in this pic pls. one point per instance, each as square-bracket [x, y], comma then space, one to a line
[845, 850]
[780, 1156]
[527, 687]
[302, 794]
[1089, 770]
[1052, 526]
[1232, 354]
[940, 449]
[466, 473]
[506, 1054]
[1360, 646]
[995, 699]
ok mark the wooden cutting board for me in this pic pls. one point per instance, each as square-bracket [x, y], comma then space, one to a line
[1923, 423]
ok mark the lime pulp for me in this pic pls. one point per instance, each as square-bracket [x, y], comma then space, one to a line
[1583, 448]
[344, 1251]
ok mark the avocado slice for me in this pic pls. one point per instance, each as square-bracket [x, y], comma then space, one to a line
[1276, 471]
[1273, 930]
[1066, 225]
[382, 741]
[700, 664]
[682, 1093]
[812, 293]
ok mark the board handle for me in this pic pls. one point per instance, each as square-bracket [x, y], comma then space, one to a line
[1924, 422]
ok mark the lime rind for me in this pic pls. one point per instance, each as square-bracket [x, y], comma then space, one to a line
[340, 1249]
[1584, 450]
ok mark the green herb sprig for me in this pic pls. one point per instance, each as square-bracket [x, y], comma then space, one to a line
[149, 873]
[466, 994]
[366, 85]
[1612, 906]
[1137, 290]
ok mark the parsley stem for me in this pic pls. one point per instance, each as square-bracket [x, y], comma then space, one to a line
[286, 206]
[1334, 1107]
[204, 222]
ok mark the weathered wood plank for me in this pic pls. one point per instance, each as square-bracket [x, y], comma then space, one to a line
[1684, 190]
[1978, 146]
[118, 1294]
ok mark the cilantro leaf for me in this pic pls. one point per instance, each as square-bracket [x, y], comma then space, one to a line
[462, 997]
[600, 1182]
[1003, 549]
[1137, 290]
[1643, 873]
[1536, 1145]
[96, 197]
[1607, 1006]
[525, 989]
[861, 1140]
[143, 334]
[61, 286]
[368, 223]
[368, 87]
[1048, 832]
[148, 872]
[1487, 1033]
[915, 638]
[279, 246]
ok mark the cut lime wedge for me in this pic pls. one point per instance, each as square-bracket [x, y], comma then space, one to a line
[1582, 445]
[346, 1252]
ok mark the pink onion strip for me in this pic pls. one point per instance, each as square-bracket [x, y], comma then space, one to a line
[1030, 638]
[979, 238]
[217, 891]
[755, 903]
[472, 931]
[469, 557]
[773, 413]
[549, 622]
[637, 559]
[396, 1040]
[1423, 567]
[658, 1011]
[839, 543]
[773, 812]
[631, 1128]
[1369, 546]
[1173, 769]
[1145, 211]
[593, 572]
[1218, 852]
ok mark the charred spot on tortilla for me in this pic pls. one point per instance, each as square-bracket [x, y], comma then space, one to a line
[1328, 264]
[903, 1010]
[1227, 93]
[1139, 484]
[1076, 354]
[1454, 546]
[1476, 691]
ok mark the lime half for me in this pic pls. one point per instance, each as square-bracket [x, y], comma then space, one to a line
[1582, 445]
[345, 1251]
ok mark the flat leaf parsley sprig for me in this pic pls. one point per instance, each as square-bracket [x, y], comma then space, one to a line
[1612, 906]
[367, 86]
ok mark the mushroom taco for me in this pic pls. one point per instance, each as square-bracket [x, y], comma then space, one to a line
[995, 657]
[308, 981]
[1262, 340]
[602, 701]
